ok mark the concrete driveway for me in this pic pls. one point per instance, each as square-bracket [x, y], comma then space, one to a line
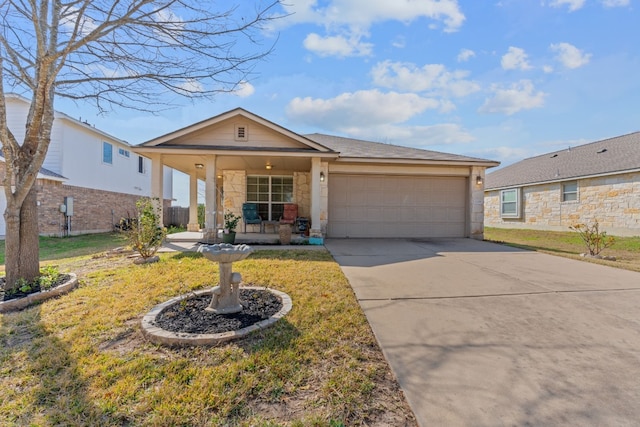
[485, 335]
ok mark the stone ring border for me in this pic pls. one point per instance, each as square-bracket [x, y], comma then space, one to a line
[32, 299]
[162, 336]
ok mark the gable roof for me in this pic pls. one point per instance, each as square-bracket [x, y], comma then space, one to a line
[610, 156]
[165, 140]
[357, 149]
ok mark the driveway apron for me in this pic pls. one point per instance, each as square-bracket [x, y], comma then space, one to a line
[480, 334]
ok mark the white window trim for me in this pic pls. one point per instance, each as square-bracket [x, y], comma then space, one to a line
[518, 213]
[144, 165]
[563, 193]
[102, 153]
[123, 152]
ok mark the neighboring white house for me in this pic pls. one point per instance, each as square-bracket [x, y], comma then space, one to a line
[96, 173]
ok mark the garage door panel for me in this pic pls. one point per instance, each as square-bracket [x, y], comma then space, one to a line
[396, 206]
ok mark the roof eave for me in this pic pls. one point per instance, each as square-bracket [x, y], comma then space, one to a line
[567, 178]
[481, 163]
[201, 151]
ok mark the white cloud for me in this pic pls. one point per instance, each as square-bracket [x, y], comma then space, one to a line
[70, 17]
[337, 46]
[171, 25]
[413, 136]
[547, 69]
[432, 78]
[347, 21]
[358, 109]
[400, 42]
[515, 59]
[465, 55]
[570, 56]
[519, 96]
[364, 13]
[191, 86]
[573, 4]
[244, 90]
[615, 3]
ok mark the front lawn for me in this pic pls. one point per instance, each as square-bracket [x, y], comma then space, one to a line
[568, 244]
[54, 248]
[80, 360]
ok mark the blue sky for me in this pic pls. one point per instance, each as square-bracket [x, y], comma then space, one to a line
[502, 80]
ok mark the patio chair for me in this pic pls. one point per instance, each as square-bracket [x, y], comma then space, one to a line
[250, 215]
[290, 214]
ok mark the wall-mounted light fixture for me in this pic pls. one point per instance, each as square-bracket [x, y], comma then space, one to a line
[479, 180]
[321, 176]
[268, 166]
[199, 165]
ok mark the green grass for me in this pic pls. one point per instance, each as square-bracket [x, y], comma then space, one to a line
[568, 244]
[80, 360]
[55, 248]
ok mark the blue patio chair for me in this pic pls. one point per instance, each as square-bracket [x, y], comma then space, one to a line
[250, 215]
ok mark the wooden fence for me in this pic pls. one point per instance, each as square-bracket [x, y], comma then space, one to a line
[176, 215]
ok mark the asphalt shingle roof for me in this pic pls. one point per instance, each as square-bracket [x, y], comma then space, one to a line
[613, 155]
[356, 148]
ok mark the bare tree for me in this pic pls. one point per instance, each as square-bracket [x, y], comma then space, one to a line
[140, 54]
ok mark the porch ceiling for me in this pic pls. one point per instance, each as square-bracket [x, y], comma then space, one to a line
[256, 164]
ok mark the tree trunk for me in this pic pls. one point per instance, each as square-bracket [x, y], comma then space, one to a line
[22, 246]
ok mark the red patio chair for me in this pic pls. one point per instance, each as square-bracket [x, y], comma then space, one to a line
[290, 214]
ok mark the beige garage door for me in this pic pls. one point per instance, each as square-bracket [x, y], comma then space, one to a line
[396, 206]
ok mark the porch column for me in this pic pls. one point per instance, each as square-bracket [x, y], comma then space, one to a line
[157, 180]
[316, 229]
[193, 203]
[476, 203]
[210, 227]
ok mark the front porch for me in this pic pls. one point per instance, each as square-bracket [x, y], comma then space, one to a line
[249, 238]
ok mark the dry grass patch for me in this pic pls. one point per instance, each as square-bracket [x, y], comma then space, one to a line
[568, 244]
[81, 359]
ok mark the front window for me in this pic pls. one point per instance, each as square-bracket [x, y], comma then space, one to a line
[141, 165]
[124, 153]
[107, 153]
[570, 191]
[270, 193]
[510, 203]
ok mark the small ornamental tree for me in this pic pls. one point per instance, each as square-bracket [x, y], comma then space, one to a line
[595, 240]
[146, 233]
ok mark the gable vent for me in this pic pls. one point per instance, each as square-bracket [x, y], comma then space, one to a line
[241, 133]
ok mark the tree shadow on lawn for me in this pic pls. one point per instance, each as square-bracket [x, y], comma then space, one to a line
[44, 384]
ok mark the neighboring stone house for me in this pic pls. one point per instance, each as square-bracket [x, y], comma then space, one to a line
[599, 182]
[96, 173]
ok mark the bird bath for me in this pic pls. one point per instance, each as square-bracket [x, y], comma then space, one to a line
[225, 298]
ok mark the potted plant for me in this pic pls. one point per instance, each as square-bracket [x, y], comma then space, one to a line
[230, 223]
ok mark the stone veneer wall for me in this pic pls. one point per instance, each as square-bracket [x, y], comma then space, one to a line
[614, 201]
[235, 191]
[302, 193]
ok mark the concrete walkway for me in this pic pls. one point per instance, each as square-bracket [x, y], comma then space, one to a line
[480, 334]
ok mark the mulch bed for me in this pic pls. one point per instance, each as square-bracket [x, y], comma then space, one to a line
[34, 288]
[188, 316]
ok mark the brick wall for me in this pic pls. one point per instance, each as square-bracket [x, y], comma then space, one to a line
[614, 201]
[94, 211]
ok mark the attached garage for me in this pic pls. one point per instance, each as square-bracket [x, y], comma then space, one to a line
[390, 206]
